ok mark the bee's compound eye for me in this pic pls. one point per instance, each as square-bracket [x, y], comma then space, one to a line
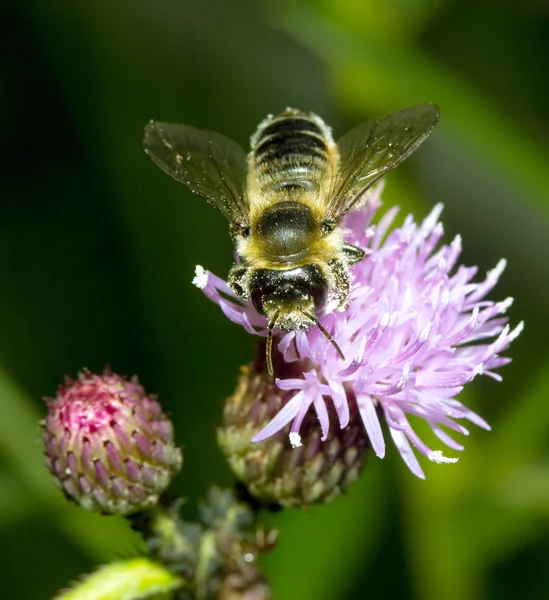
[320, 295]
[257, 299]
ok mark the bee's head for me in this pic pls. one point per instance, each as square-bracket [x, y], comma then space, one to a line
[290, 299]
[284, 295]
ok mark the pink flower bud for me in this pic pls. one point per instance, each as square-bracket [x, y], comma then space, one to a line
[108, 445]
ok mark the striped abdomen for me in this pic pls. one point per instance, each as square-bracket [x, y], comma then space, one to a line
[291, 150]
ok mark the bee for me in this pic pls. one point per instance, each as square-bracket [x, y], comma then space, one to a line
[286, 199]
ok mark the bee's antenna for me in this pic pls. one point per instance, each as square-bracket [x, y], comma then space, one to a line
[315, 320]
[269, 349]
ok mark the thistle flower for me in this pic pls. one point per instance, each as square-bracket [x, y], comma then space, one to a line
[417, 329]
[108, 445]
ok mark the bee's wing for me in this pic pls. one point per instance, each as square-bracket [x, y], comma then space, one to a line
[208, 163]
[370, 150]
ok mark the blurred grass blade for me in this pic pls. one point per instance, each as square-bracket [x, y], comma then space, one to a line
[20, 441]
[524, 427]
[397, 22]
[368, 75]
[15, 503]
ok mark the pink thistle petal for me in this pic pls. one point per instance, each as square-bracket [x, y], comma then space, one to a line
[488, 284]
[431, 242]
[302, 343]
[372, 424]
[236, 316]
[322, 412]
[403, 445]
[383, 226]
[445, 438]
[287, 414]
[290, 384]
[303, 409]
[339, 398]
[398, 386]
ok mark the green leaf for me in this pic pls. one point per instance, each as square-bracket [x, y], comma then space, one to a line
[135, 579]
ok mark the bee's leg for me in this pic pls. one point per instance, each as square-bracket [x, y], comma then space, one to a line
[339, 270]
[353, 254]
[238, 281]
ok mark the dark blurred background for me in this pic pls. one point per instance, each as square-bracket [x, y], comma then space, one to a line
[98, 248]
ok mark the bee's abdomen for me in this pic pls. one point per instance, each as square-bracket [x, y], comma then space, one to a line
[291, 150]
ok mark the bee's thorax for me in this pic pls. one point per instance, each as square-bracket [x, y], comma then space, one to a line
[286, 229]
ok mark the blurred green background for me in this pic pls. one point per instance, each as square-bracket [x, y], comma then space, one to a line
[98, 248]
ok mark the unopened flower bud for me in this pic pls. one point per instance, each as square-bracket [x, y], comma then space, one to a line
[108, 445]
[287, 469]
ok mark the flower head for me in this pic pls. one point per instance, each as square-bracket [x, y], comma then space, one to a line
[295, 470]
[108, 445]
[417, 329]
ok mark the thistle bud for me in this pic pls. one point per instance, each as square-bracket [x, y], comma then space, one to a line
[108, 445]
[287, 469]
